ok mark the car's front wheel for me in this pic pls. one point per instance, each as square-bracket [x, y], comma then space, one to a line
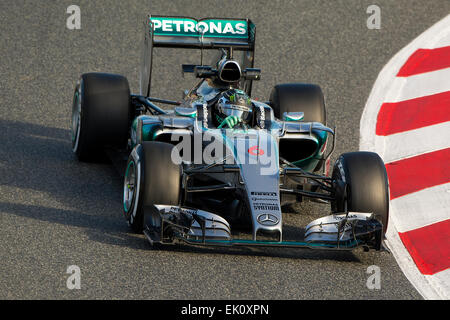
[151, 177]
[365, 185]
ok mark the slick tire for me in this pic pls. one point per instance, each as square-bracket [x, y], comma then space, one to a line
[299, 97]
[366, 182]
[151, 177]
[101, 114]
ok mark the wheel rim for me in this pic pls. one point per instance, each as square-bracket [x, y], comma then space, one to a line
[76, 120]
[129, 186]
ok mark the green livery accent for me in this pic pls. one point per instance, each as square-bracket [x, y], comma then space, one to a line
[310, 163]
[244, 242]
[148, 130]
[230, 121]
[188, 27]
[191, 115]
[288, 118]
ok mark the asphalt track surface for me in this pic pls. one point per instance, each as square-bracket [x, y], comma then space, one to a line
[57, 212]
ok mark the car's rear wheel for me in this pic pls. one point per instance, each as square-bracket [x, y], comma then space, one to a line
[151, 177]
[101, 114]
[299, 97]
[366, 185]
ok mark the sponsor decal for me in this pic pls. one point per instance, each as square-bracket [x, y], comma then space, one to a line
[342, 217]
[261, 199]
[262, 117]
[266, 206]
[341, 170]
[174, 210]
[177, 210]
[189, 211]
[219, 28]
[205, 115]
[268, 194]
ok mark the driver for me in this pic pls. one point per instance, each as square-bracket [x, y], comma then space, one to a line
[232, 108]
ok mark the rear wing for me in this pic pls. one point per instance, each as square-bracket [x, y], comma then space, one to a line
[191, 33]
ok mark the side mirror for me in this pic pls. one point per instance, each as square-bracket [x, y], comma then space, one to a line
[252, 74]
[187, 68]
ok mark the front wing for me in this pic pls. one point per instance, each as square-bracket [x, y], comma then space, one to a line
[344, 231]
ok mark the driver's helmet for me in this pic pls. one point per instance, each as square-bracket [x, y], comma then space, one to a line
[234, 102]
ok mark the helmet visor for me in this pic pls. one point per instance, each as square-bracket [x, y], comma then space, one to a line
[242, 112]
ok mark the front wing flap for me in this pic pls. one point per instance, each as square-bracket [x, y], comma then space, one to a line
[339, 229]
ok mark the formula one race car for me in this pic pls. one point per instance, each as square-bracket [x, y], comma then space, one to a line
[221, 161]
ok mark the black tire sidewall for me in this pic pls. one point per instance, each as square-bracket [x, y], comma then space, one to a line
[367, 188]
[136, 222]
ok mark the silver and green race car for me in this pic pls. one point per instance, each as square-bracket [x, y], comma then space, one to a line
[217, 168]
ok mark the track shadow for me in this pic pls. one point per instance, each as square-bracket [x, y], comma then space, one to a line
[109, 230]
[40, 158]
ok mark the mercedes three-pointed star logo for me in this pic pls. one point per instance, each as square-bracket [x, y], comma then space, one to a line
[267, 219]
